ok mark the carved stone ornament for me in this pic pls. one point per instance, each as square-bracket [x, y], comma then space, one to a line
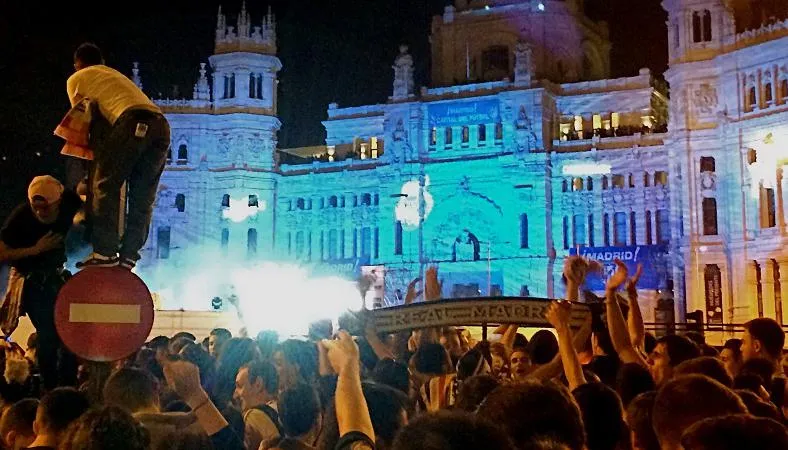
[708, 181]
[524, 134]
[704, 98]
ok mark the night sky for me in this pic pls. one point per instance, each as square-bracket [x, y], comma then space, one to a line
[332, 51]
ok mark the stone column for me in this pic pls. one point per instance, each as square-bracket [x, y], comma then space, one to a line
[242, 84]
[751, 293]
[783, 264]
[767, 285]
[780, 188]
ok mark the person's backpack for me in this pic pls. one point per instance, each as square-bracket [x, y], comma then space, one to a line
[274, 416]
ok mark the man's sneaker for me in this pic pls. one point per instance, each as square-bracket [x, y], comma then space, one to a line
[127, 263]
[98, 260]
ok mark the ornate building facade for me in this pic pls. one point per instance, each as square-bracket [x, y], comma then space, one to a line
[522, 152]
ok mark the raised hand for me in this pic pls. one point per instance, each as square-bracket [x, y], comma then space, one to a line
[432, 287]
[619, 276]
[412, 293]
[632, 283]
[559, 314]
[342, 352]
[575, 269]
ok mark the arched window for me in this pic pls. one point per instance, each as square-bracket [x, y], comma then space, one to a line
[706, 25]
[376, 199]
[564, 186]
[605, 183]
[433, 136]
[398, 238]
[366, 200]
[768, 98]
[226, 201]
[332, 201]
[252, 86]
[577, 184]
[447, 136]
[499, 131]
[180, 202]
[696, 27]
[466, 134]
[482, 133]
[752, 98]
[646, 179]
[466, 247]
[589, 184]
[649, 237]
[784, 89]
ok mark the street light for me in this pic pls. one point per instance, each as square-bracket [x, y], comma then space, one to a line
[421, 212]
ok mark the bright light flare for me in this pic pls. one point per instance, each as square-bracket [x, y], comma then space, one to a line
[240, 210]
[585, 169]
[407, 209]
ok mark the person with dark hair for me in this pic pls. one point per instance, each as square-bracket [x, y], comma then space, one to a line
[184, 335]
[633, 380]
[256, 388]
[603, 417]
[267, 341]
[757, 406]
[532, 411]
[236, 353]
[519, 364]
[764, 338]
[542, 347]
[217, 339]
[56, 411]
[132, 389]
[705, 365]
[434, 376]
[177, 344]
[137, 392]
[684, 400]
[16, 426]
[31, 243]
[392, 373]
[641, 432]
[731, 356]
[735, 432]
[299, 411]
[474, 390]
[109, 427]
[451, 430]
[134, 150]
[296, 361]
[671, 350]
[198, 356]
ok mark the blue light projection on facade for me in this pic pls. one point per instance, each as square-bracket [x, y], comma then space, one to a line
[522, 151]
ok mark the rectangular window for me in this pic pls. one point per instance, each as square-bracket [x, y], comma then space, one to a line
[433, 136]
[342, 244]
[448, 136]
[649, 238]
[633, 229]
[578, 230]
[466, 135]
[398, 238]
[163, 242]
[709, 217]
[376, 246]
[523, 230]
[499, 131]
[332, 245]
[707, 164]
[482, 133]
[660, 178]
[620, 229]
[251, 242]
[366, 242]
[566, 232]
[225, 238]
[309, 246]
[663, 226]
[355, 242]
[590, 230]
[696, 29]
[299, 244]
[606, 230]
[618, 181]
[768, 210]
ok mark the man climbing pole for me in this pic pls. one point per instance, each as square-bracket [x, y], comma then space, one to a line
[134, 150]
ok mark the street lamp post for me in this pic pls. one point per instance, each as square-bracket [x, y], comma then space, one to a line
[421, 212]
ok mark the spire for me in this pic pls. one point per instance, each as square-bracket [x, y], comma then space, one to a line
[243, 22]
[135, 74]
[202, 90]
[221, 24]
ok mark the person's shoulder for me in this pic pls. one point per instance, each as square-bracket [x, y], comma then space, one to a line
[18, 213]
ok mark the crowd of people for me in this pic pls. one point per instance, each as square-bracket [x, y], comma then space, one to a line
[608, 385]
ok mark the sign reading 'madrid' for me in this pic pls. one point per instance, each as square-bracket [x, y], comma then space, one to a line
[524, 311]
[463, 113]
[648, 255]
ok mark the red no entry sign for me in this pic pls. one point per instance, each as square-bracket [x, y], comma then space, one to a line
[104, 314]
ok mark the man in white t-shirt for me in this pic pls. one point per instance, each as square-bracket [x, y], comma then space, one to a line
[134, 150]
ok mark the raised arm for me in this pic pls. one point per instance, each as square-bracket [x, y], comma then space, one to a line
[615, 318]
[50, 241]
[558, 315]
[637, 331]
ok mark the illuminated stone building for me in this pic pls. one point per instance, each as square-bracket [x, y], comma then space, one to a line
[520, 152]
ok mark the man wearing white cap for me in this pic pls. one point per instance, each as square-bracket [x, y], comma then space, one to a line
[31, 242]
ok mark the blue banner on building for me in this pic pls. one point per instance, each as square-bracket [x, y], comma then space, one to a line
[463, 113]
[349, 268]
[651, 256]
